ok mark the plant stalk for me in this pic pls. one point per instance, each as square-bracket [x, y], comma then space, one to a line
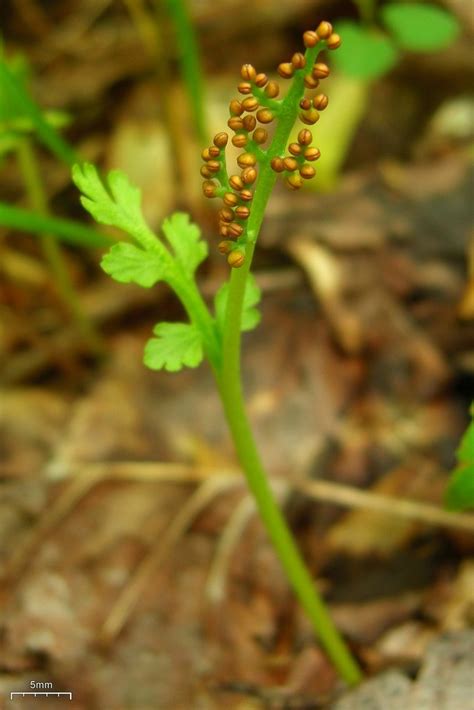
[51, 249]
[66, 230]
[230, 387]
[44, 130]
[280, 535]
[190, 63]
[366, 10]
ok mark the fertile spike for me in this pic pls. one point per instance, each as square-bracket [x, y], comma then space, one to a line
[259, 104]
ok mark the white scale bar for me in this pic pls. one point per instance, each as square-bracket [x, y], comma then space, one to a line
[47, 693]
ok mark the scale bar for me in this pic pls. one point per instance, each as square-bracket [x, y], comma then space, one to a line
[46, 693]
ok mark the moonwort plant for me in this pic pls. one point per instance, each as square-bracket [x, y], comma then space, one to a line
[175, 257]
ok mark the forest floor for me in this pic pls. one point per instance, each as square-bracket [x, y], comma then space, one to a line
[135, 572]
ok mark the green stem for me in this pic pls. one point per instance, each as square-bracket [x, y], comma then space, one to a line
[190, 62]
[66, 230]
[366, 10]
[156, 39]
[194, 305]
[230, 388]
[23, 103]
[279, 533]
[51, 249]
[144, 24]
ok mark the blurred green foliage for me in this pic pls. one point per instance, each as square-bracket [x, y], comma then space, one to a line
[420, 28]
[460, 491]
[20, 114]
[368, 51]
[365, 53]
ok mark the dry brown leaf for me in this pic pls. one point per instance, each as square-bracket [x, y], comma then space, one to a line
[362, 532]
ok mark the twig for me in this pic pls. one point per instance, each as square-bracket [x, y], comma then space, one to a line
[85, 477]
[129, 597]
[350, 497]
[228, 540]
[230, 537]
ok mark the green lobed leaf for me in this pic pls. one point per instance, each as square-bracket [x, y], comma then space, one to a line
[116, 202]
[419, 27]
[460, 490]
[121, 207]
[364, 53]
[185, 238]
[250, 314]
[130, 264]
[176, 345]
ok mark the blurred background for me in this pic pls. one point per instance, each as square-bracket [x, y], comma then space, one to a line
[135, 573]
